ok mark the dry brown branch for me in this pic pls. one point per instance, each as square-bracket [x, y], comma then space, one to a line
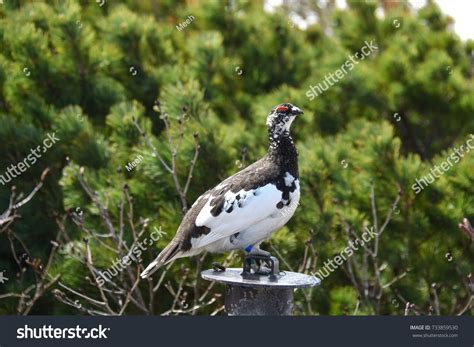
[364, 270]
[467, 229]
[10, 214]
[173, 147]
[121, 293]
[43, 279]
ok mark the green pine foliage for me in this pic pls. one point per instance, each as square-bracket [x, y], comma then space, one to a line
[93, 73]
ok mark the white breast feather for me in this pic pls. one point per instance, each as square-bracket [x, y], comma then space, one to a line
[254, 209]
[289, 179]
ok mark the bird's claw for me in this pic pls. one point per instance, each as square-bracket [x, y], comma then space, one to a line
[263, 265]
[262, 269]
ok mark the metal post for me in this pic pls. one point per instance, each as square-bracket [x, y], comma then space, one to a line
[259, 295]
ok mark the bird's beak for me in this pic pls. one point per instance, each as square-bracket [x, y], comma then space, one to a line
[296, 111]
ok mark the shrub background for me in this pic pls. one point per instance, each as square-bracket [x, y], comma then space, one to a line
[80, 56]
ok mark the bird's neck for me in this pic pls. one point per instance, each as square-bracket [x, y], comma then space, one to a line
[283, 151]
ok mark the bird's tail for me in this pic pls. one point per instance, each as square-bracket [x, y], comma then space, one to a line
[165, 256]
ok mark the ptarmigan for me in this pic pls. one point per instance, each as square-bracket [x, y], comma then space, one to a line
[246, 208]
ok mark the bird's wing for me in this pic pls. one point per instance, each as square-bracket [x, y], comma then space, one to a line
[229, 212]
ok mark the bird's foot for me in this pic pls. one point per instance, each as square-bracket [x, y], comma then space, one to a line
[261, 268]
[263, 265]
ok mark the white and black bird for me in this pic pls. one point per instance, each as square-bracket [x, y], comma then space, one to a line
[246, 208]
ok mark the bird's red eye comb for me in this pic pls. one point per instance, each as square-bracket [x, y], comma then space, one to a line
[281, 109]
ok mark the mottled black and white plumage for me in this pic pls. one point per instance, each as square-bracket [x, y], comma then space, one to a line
[246, 208]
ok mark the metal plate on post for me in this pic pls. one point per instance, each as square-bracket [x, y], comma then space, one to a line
[286, 279]
[259, 295]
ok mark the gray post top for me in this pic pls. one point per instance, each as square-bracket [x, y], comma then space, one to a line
[286, 279]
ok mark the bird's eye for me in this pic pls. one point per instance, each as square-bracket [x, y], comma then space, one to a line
[282, 109]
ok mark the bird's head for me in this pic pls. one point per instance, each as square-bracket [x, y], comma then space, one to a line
[280, 118]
